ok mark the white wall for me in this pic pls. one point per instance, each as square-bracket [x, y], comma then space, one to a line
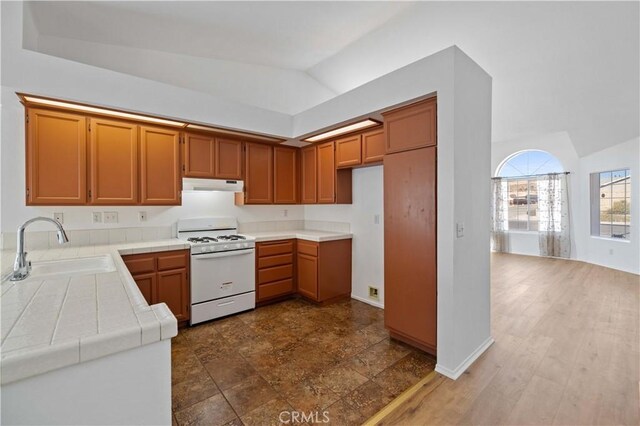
[368, 237]
[613, 253]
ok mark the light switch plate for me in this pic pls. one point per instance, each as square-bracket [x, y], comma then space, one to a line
[460, 229]
[96, 217]
[110, 217]
[59, 217]
[142, 216]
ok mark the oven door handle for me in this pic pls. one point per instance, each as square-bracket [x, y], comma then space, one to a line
[222, 254]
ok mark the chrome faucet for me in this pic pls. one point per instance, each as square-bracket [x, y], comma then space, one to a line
[22, 266]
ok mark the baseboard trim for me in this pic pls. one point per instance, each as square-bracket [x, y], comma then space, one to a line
[368, 301]
[457, 372]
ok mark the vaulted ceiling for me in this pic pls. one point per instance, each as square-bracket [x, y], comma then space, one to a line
[570, 66]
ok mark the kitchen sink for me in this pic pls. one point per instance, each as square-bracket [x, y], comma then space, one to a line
[72, 267]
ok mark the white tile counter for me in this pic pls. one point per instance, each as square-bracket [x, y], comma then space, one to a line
[301, 234]
[50, 323]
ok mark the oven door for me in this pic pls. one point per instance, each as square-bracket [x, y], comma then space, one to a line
[217, 275]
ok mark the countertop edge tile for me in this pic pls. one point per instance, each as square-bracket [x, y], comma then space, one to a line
[300, 234]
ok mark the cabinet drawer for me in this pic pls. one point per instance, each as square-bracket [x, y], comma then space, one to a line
[307, 247]
[140, 264]
[275, 289]
[271, 261]
[172, 260]
[271, 249]
[275, 274]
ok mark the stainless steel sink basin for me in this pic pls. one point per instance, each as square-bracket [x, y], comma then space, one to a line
[72, 267]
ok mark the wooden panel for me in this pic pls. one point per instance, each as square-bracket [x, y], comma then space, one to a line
[173, 260]
[285, 176]
[349, 151]
[411, 127]
[373, 146]
[308, 247]
[334, 270]
[410, 244]
[173, 289]
[147, 285]
[140, 263]
[113, 169]
[275, 274]
[228, 159]
[159, 166]
[259, 175]
[56, 155]
[309, 176]
[275, 289]
[344, 186]
[326, 173]
[307, 267]
[271, 249]
[271, 261]
[199, 156]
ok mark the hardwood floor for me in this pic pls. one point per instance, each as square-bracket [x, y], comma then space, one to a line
[565, 352]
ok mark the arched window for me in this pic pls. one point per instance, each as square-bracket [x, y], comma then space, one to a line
[521, 172]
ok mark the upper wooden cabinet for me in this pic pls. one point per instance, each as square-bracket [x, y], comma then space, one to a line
[286, 176]
[309, 175]
[259, 173]
[199, 156]
[373, 146]
[159, 166]
[56, 154]
[326, 173]
[411, 127]
[349, 151]
[113, 156]
[228, 159]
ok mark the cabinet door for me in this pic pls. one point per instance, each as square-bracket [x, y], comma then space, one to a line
[326, 173]
[307, 275]
[147, 285]
[410, 292]
[411, 127]
[113, 166]
[198, 156]
[309, 175]
[373, 146]
[56, 158]
[259, 176]
[173, 289]
[285, 176]
[228, 159]
[159, 166]
[349, 151]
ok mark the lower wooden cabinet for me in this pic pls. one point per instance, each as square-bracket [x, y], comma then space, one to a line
[163, 277]
[274, 270]
[324, 269]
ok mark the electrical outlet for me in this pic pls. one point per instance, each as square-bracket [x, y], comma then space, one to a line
[610, 251]
[59, 217]
[376, 219]
[96, 217]
[142, 216]
[110, 217]
[373, 293]
[460, 229]
[286, 212]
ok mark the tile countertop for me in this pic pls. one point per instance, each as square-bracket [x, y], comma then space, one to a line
[50, 323]
[301, 234]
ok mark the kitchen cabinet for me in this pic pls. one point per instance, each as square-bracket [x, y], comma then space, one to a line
[113, 162]
[373, 146]
[228, 159]
[349, 151]
[199, 156]
[56, 153]
[163, 277]
[334, 185]
[309, 175]
[324, 269]
[160, 166]
[410, 127]
[274, 270]
[259, 173]
[286, 176]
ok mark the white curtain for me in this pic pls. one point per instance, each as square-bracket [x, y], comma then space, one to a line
[553, 208]
[499, 215]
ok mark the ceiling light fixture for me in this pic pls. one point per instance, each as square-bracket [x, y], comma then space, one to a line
[342, 130]
[102, 111]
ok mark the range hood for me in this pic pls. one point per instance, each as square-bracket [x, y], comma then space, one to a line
[196, 184]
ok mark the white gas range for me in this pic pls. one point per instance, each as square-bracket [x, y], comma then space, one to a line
[222, 267]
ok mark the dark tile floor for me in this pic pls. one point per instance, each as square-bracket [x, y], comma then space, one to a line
[291, 356]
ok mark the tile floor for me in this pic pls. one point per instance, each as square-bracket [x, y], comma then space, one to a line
[291, 356]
